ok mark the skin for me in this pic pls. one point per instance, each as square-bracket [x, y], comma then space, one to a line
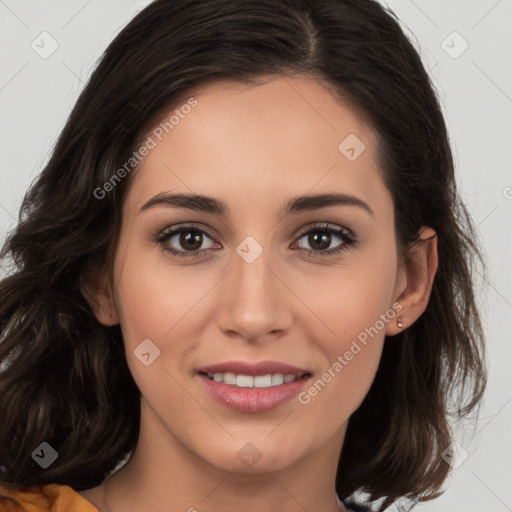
[253, 147]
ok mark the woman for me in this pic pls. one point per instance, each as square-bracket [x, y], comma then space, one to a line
[245, 271]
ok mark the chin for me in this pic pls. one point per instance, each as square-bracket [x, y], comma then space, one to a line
[251, 457]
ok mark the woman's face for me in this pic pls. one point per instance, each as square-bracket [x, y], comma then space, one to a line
[256, 277]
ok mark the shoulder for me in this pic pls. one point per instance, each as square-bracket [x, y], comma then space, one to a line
[47, 498]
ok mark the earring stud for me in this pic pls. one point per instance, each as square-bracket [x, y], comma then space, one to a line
[399, 323]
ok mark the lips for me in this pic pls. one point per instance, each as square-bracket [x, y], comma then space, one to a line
[253, 387]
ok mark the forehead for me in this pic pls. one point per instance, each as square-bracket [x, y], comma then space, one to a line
[240, 141]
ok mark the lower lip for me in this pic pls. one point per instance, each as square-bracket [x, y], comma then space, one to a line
[252, 399]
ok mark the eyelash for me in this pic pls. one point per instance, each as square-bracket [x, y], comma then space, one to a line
[349, 240]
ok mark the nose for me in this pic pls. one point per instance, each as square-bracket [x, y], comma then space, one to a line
[255, 301]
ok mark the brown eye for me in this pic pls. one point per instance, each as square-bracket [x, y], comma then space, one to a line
[320, 238]
[184, 241]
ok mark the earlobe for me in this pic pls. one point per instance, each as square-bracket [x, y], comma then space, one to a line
[418, 272]
[97, 291]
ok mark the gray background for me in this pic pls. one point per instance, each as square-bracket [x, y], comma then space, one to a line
[475, 86]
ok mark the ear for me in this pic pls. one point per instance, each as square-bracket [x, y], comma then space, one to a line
[97, 289]
[415, 279]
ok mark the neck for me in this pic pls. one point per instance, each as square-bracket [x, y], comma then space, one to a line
[169, 477]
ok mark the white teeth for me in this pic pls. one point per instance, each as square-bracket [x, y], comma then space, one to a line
[277, 379]
[229, 378]
[248, 381]
[244, 381]
[263, 381]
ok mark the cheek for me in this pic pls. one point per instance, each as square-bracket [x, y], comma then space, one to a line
[161, 302]
[151, 304]
[351, 355]
[354, 305]
[152, 292]
[349, 299]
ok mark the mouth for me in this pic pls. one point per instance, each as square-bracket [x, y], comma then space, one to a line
[249, 387]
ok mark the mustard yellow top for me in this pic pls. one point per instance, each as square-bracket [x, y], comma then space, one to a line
[58, 498]
[48, 498]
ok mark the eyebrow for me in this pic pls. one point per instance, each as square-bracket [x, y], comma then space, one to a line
[214, 206]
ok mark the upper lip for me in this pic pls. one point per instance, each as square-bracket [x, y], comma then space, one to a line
[254, 369]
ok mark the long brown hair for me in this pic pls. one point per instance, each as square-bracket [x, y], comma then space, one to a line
[64, 377]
